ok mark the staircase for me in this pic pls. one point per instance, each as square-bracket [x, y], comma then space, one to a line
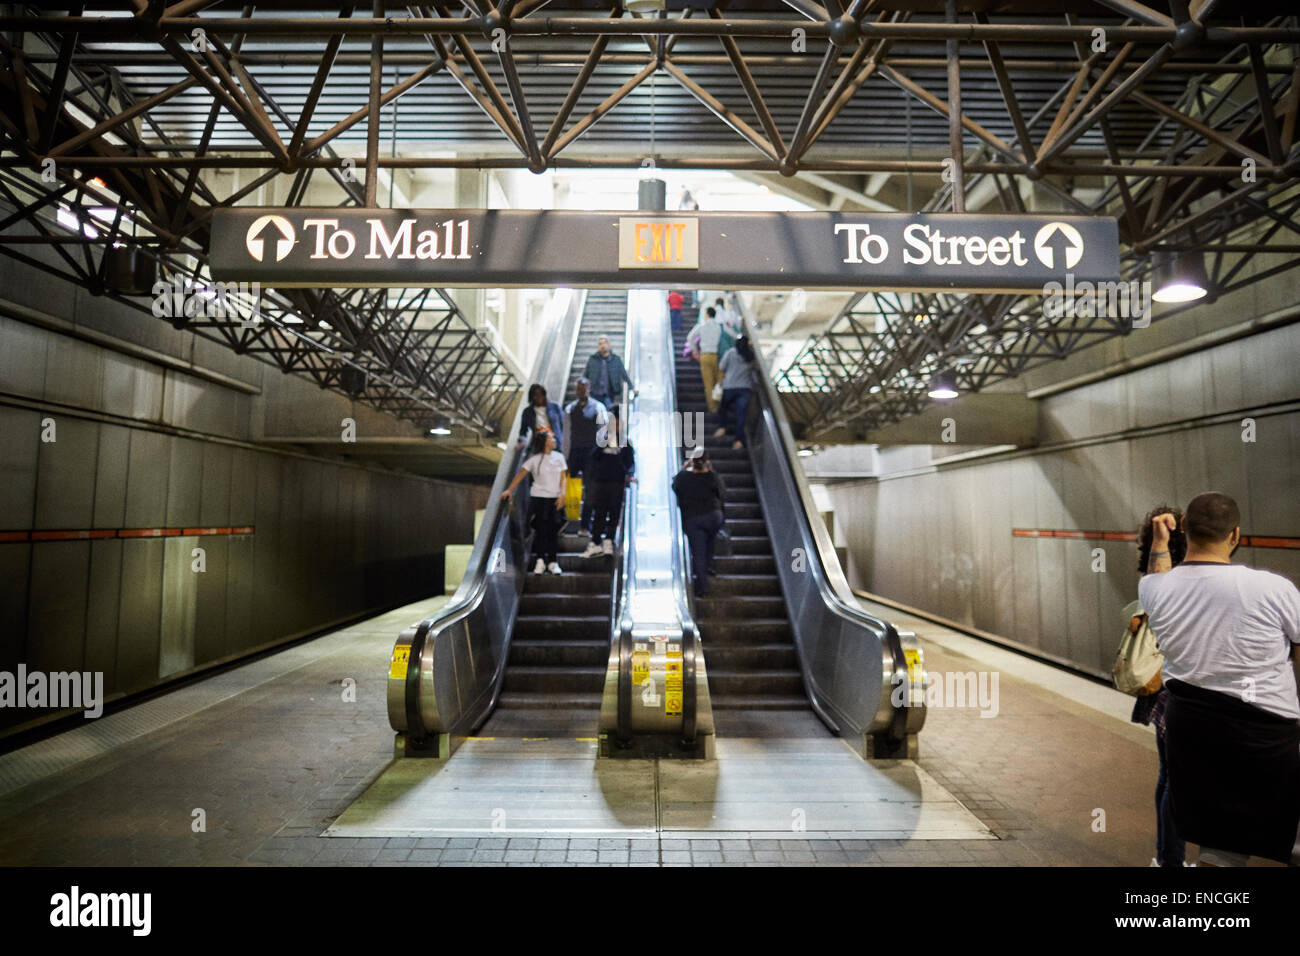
[559, 650]
[748, 643]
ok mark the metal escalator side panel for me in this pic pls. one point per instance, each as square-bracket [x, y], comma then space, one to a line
[851, 661]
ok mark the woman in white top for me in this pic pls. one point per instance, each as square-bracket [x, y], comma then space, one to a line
[549, 471]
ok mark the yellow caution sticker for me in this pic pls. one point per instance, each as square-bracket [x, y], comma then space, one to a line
[401, 657]
[640, 665]
[673, 685]
[915, 672]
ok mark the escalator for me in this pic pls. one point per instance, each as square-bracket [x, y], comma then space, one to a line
[748, 639]
[783, 639]
[615, 647]
[555, 668]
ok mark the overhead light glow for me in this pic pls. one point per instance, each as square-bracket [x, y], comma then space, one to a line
[943, 386]
[1179, 276]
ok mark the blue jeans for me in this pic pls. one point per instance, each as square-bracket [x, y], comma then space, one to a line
[675, 316]
[739, 398]
[702, 533]
[1170, 848]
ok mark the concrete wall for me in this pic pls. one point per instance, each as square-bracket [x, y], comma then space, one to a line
[939, 537]
[143, 443]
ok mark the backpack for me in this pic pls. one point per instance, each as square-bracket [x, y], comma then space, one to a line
[725, 341]
[1138, 663]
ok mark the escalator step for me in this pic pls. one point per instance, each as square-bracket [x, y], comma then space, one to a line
[557, 680]
[542, 627]
[532, 700]
[741, 605]
[556, 653]
[752, 630]
[759, 701]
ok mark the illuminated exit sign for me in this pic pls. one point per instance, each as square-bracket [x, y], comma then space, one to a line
[658, 243]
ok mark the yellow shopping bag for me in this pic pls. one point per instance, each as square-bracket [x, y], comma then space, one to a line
[573, 498]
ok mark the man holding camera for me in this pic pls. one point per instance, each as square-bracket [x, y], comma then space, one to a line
[1229, 636]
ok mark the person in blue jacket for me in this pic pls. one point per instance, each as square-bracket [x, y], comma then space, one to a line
[540, 414]
[606, 374]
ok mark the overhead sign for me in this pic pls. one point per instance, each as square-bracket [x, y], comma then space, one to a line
[335, 248]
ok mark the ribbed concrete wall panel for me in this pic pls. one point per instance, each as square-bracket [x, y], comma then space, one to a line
[132, 387]
[22, 359]
[20, 437]
[139, 614]
[110, 480]
[184, 482]
[57, 596]
[74, 374]
[179, 606]
[243, 486]
[103, 600]
[214, 484]
[242, 629]
[210, 587]
[15, 570]
[65, 495]
[146, 479]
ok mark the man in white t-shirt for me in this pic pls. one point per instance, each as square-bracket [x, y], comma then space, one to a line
[1229, 636]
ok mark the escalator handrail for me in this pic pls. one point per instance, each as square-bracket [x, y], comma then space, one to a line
[825, 569]
[469, 594]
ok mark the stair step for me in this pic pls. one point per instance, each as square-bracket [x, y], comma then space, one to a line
[562, 626]
[744, 563]
[732, 658]
[587, 584]
[542, 603]
[557, 680]
[533, 700]
[558, 653]
[740, 605]
[724, 585]
[754, 630]
[758, 702]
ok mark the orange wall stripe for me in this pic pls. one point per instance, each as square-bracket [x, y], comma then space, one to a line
[1247, 540]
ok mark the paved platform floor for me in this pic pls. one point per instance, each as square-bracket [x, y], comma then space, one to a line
[270, 756]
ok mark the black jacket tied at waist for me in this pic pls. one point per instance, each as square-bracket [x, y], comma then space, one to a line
[1234, 773]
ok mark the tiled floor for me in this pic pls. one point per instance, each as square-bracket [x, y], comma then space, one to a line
[1055, 775]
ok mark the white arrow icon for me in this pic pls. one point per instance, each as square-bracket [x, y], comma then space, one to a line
[255, 239]
[1058, 235]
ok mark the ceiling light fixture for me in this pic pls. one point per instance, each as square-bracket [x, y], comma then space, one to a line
[1178, 276]
[943, 386]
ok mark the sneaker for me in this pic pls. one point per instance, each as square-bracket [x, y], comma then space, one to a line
[554, 568]
[738, 445]
[593, 549]
[539, 567]
[607, 546]
[584, 532]
[719, 433]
